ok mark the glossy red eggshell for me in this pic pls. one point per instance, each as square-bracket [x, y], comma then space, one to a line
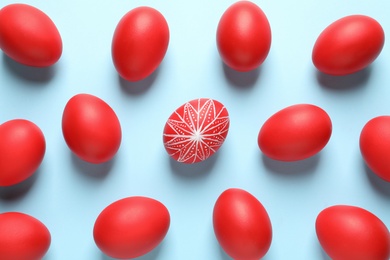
[348, 45]
[242, 225]
[29, 36]
[22, 149]
[349, 232]
[375, 146]
[131, 227]
[196, 130]
[139, 43]
[91, 128]
[295, 133]
[22, 237]
[243, 36]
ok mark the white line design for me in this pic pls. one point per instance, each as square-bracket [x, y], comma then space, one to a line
[196, 130]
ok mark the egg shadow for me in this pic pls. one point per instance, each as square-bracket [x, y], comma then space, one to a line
[343, 83]
[321, 253]
[17, 191]
[135, 88]
[197, 170]
[223, 255]
[241, 80]
[301, 168]
[380, 185]
[152, 255]
[218, 248]
[97, 171]
[39, 75]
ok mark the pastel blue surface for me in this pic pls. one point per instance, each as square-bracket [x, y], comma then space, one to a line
[67, 194]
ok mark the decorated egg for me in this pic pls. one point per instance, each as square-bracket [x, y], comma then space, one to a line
[196, 130]
[29, 36]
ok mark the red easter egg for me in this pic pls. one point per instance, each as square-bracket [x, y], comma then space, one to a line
[91, 128]
[29, 36]
[131, 227]
[295, 133]
[139, 43]
[22, 237]
[349, 232]
[242, 225]
[243, 36]
[22, 148]
[375, 146]
[348, 45]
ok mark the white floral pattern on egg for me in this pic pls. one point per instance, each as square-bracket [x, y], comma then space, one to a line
[196, 130]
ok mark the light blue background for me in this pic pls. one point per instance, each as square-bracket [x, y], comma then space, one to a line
[67, 194]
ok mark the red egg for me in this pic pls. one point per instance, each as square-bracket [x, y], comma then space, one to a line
[295, 133]
[242, 225]
[131, 227]
[349, 232]
[375, 146]
[139, 43]
[91, 128]
[29, 36]
[196, 130]
[243, 36]
[22, 148]
[348, 45]
[22, 237]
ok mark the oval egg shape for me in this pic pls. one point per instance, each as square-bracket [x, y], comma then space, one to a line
[243, 36]
[29, 36]
[348, 45]
[22, 149]
[23, 237]
[349, 232]
[242, 225]
[139, 43]
[131, 227]
[91, 128]
[375, 146]
[196, 130]
[295, 133]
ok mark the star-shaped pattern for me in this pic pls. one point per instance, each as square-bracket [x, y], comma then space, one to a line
[196, 130]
